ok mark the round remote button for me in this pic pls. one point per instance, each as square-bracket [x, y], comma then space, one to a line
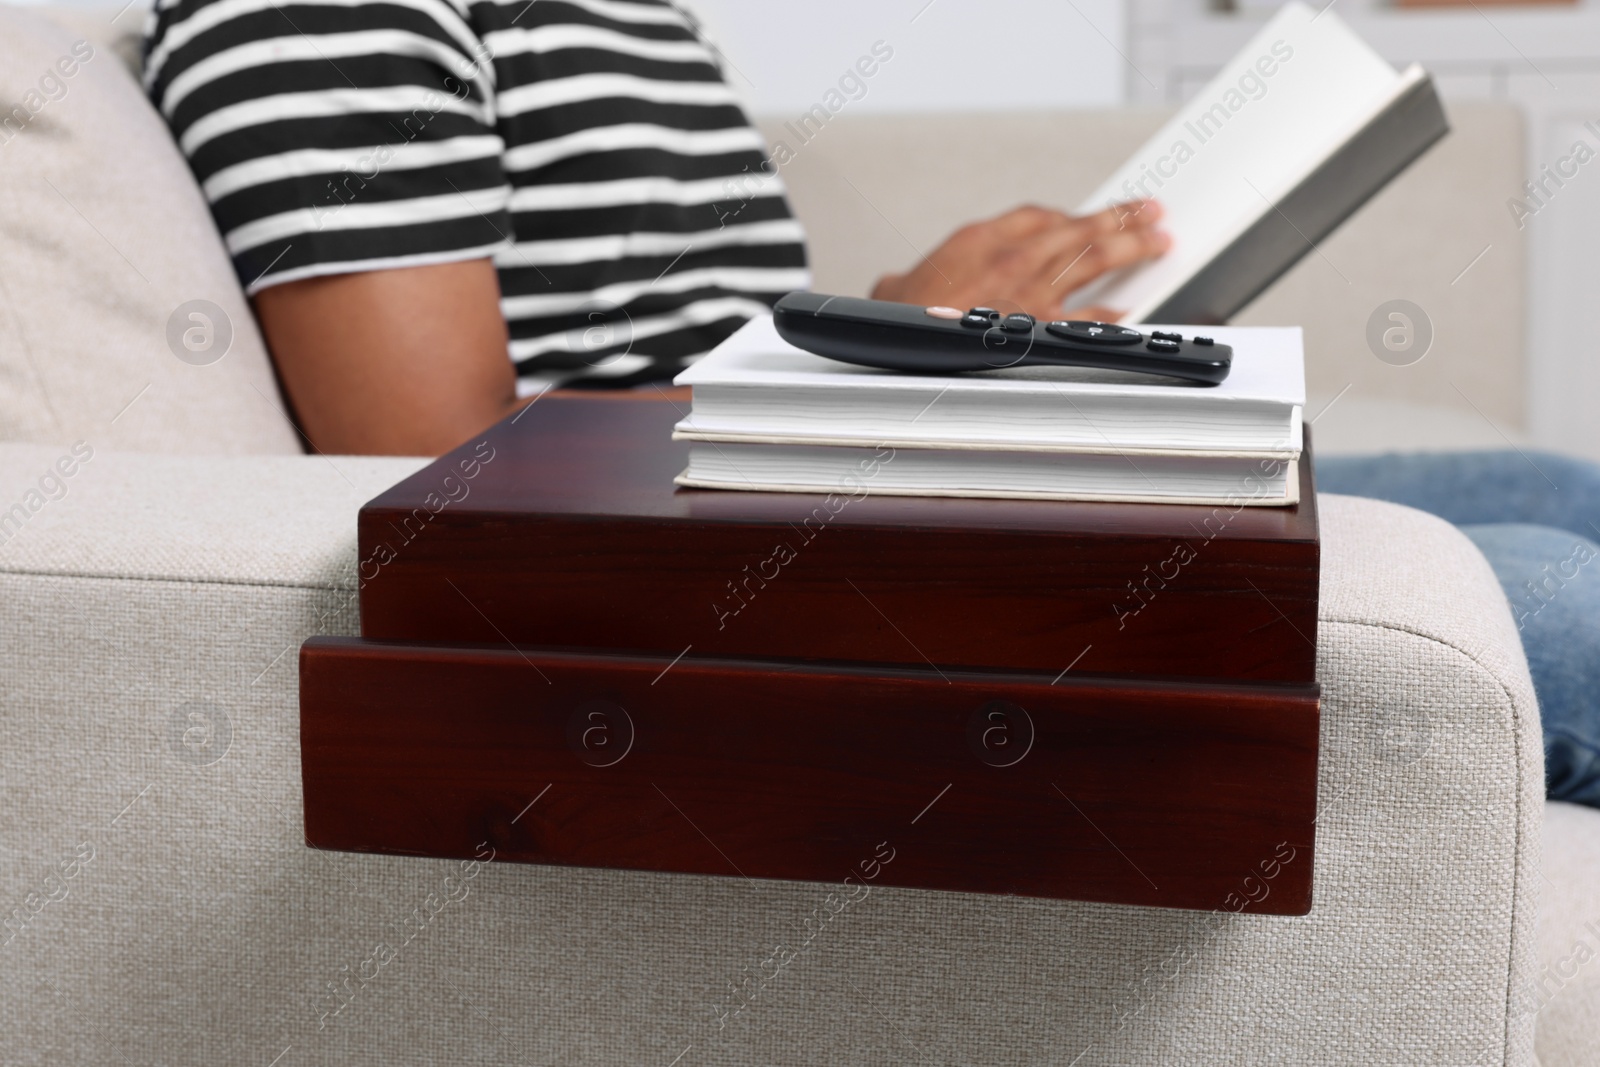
[988, 313]
[942, 312]
[1017, 323]
[977, 322]
[1162, 344]
[1095, 333]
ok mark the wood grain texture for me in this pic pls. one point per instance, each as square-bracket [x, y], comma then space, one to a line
[1170, 795]
[563, 528]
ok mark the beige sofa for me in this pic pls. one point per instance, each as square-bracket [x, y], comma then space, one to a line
[160, 905]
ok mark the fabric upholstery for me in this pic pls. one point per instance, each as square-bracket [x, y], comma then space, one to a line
[1564, 994]
[103, 238]
[203, 931]
[265, 519]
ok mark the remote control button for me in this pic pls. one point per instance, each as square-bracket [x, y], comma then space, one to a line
[1204, 341]
[1162, 344]
[1161, 335]
[988, 313]
[942, 312]
[977, 322]
[1017, 323]
[1095, 333]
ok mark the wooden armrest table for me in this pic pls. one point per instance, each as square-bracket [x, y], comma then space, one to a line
[568, 660]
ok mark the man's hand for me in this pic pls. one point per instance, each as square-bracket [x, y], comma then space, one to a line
[1030, 259]
[410, 361]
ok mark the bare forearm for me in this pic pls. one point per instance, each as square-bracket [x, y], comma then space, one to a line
[399, 362]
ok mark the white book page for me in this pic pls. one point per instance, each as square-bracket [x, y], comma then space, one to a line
[1297, 91]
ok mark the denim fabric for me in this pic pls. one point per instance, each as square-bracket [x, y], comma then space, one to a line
[1534, 516]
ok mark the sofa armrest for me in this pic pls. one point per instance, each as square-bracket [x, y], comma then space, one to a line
[150, 711]
[120, 515]
[1565, 992]
[1432, 792]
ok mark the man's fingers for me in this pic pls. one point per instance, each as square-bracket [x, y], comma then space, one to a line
[1073, 269]
[1023, 222]
[1029, 236]
[1030, 256]
[1129, 215]
[1081, 249]
[1028, 265]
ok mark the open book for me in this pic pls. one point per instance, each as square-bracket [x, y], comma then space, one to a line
[1299, 130]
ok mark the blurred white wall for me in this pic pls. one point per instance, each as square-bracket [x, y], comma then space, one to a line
[968, 55]
[949, 55]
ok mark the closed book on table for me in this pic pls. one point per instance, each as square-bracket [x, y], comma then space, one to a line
[756, 386]
[1149, 477]
[767, 416]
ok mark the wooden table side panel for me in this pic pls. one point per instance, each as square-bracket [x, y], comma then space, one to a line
[1153, 794]
[957, 599]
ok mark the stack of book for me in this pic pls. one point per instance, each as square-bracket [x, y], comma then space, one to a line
[770, 417]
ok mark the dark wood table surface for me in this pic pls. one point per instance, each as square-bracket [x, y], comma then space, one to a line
[573, 534]
[552, 670]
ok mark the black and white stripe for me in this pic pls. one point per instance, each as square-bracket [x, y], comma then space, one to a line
[590, 146]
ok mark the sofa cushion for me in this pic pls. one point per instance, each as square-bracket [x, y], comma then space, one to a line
[106, 252]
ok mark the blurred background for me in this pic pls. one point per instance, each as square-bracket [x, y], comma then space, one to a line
[1540, 60]
[983, 104]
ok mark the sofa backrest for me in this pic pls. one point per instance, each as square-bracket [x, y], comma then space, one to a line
[878, 191]
[121, 321]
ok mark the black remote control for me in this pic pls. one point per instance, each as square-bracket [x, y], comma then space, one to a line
[942, 340]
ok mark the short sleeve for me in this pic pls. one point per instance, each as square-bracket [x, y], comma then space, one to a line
[332, 136]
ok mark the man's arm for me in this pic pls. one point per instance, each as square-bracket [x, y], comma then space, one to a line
[410, 361]
[413, 361]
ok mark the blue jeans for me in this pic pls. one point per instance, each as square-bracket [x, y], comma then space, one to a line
[1536, 517]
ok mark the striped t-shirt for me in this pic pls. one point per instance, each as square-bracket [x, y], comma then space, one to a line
[591, 147]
